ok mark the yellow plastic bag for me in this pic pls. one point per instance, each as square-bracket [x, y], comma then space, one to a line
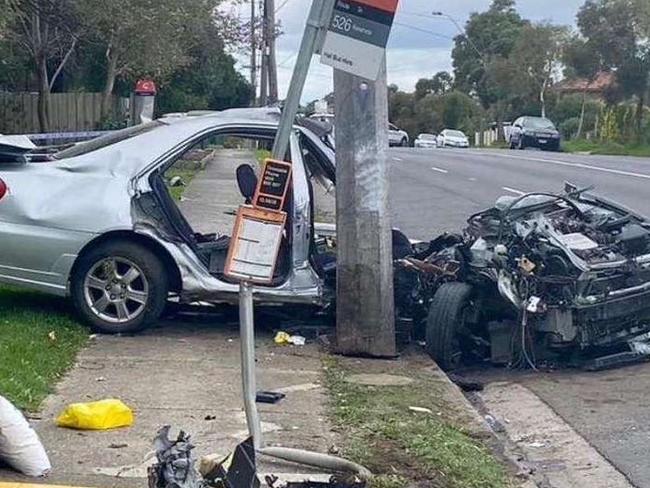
[282, 338]
[101, 415]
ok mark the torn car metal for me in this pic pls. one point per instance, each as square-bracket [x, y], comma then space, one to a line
[96, 221]
[542, 277]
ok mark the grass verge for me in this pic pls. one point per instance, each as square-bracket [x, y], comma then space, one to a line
[39, 340]
[262, 155]
[186, 175]
[401, 446]
[609, 149]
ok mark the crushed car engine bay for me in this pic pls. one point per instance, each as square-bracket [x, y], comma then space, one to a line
[540, 279]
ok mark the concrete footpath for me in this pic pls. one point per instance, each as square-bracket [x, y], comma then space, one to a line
[186, 375]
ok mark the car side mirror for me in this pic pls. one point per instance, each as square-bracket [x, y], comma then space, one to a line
[247, 181]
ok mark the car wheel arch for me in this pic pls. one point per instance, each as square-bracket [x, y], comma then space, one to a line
[173, 272]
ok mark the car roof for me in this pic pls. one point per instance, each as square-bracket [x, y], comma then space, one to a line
[131, 155]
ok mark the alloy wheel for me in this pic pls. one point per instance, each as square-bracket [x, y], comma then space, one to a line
[116, 290]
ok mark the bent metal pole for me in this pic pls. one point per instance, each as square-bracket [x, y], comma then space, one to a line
[247, 337]
[319, 17]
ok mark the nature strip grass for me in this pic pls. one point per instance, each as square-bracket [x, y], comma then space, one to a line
[39, 340]
[402, 446]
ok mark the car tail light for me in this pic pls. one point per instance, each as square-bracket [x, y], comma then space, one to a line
[3, 189]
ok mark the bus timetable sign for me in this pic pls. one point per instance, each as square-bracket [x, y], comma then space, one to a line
[357, 36]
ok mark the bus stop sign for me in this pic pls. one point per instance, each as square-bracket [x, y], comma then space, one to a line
[357, 36]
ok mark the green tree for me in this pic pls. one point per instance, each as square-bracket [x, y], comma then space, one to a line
[617, 31]
[147, 38]
[441, 83]
[538, 54]
[488, 35]
[46, 32]
[209, 82]
[581, 61]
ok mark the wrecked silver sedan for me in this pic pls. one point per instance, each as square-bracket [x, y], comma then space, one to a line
[541, 279]
[98, 221]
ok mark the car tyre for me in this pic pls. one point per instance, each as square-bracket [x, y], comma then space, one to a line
[114, 267]
[404, 142]
[447, 316]
[520, 144]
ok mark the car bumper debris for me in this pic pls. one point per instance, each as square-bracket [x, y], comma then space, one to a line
[540, 279]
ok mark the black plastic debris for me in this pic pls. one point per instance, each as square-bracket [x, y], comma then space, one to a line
[236, 471]
[175, 467]
[272, 397]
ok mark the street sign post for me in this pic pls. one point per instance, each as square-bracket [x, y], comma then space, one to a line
[274, 184]
[254, 245]
[357, 36]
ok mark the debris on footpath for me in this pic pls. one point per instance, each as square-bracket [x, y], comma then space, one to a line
[175, 464]
[271, 397]
[238, 470]
[101, 415]
[282, 338]
[333, 482]
[20, 447]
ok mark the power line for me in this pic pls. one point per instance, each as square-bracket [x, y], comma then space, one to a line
[281, 6]
[424, 15]
[426, 31]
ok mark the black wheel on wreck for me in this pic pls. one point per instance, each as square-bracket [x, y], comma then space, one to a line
[449, 314]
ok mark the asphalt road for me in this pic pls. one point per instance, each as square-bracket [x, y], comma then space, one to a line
[436, 190]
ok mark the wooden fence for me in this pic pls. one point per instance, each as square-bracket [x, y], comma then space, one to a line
[69, 112]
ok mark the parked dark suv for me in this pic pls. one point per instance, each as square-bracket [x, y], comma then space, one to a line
[534, 132]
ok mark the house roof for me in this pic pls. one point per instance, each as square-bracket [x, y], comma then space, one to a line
[602, 82]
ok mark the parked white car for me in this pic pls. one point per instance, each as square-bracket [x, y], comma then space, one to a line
[452, 138]
[426, 141]
[397, 137]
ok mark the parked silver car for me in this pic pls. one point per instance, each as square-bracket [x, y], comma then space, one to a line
[452, 138]
[426, 141]
[97, 222]
[397, 137]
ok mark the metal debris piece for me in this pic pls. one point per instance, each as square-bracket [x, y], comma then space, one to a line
[175, 467]
[334, 482]
[236, 471]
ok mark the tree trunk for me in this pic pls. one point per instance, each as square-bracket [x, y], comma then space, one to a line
[111, 73]
[542, 98]
[582, 115]
[639, 116]
[43, 93]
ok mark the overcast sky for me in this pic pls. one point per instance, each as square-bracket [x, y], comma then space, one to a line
[412, 53]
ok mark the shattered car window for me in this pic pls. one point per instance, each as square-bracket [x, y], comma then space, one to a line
[107, 140]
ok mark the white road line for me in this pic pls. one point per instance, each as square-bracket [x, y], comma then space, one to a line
[399, 160]
[440, 170]
[578, 165]
[471, 179]
[512, 190]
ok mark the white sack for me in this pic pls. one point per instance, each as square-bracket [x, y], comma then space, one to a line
[20, 447]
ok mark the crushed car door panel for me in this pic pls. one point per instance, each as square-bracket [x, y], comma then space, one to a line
[301, 284]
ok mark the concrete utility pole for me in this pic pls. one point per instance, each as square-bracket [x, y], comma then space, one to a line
[264, 74]
[272, 61]
[253, 52]
[365, 301]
